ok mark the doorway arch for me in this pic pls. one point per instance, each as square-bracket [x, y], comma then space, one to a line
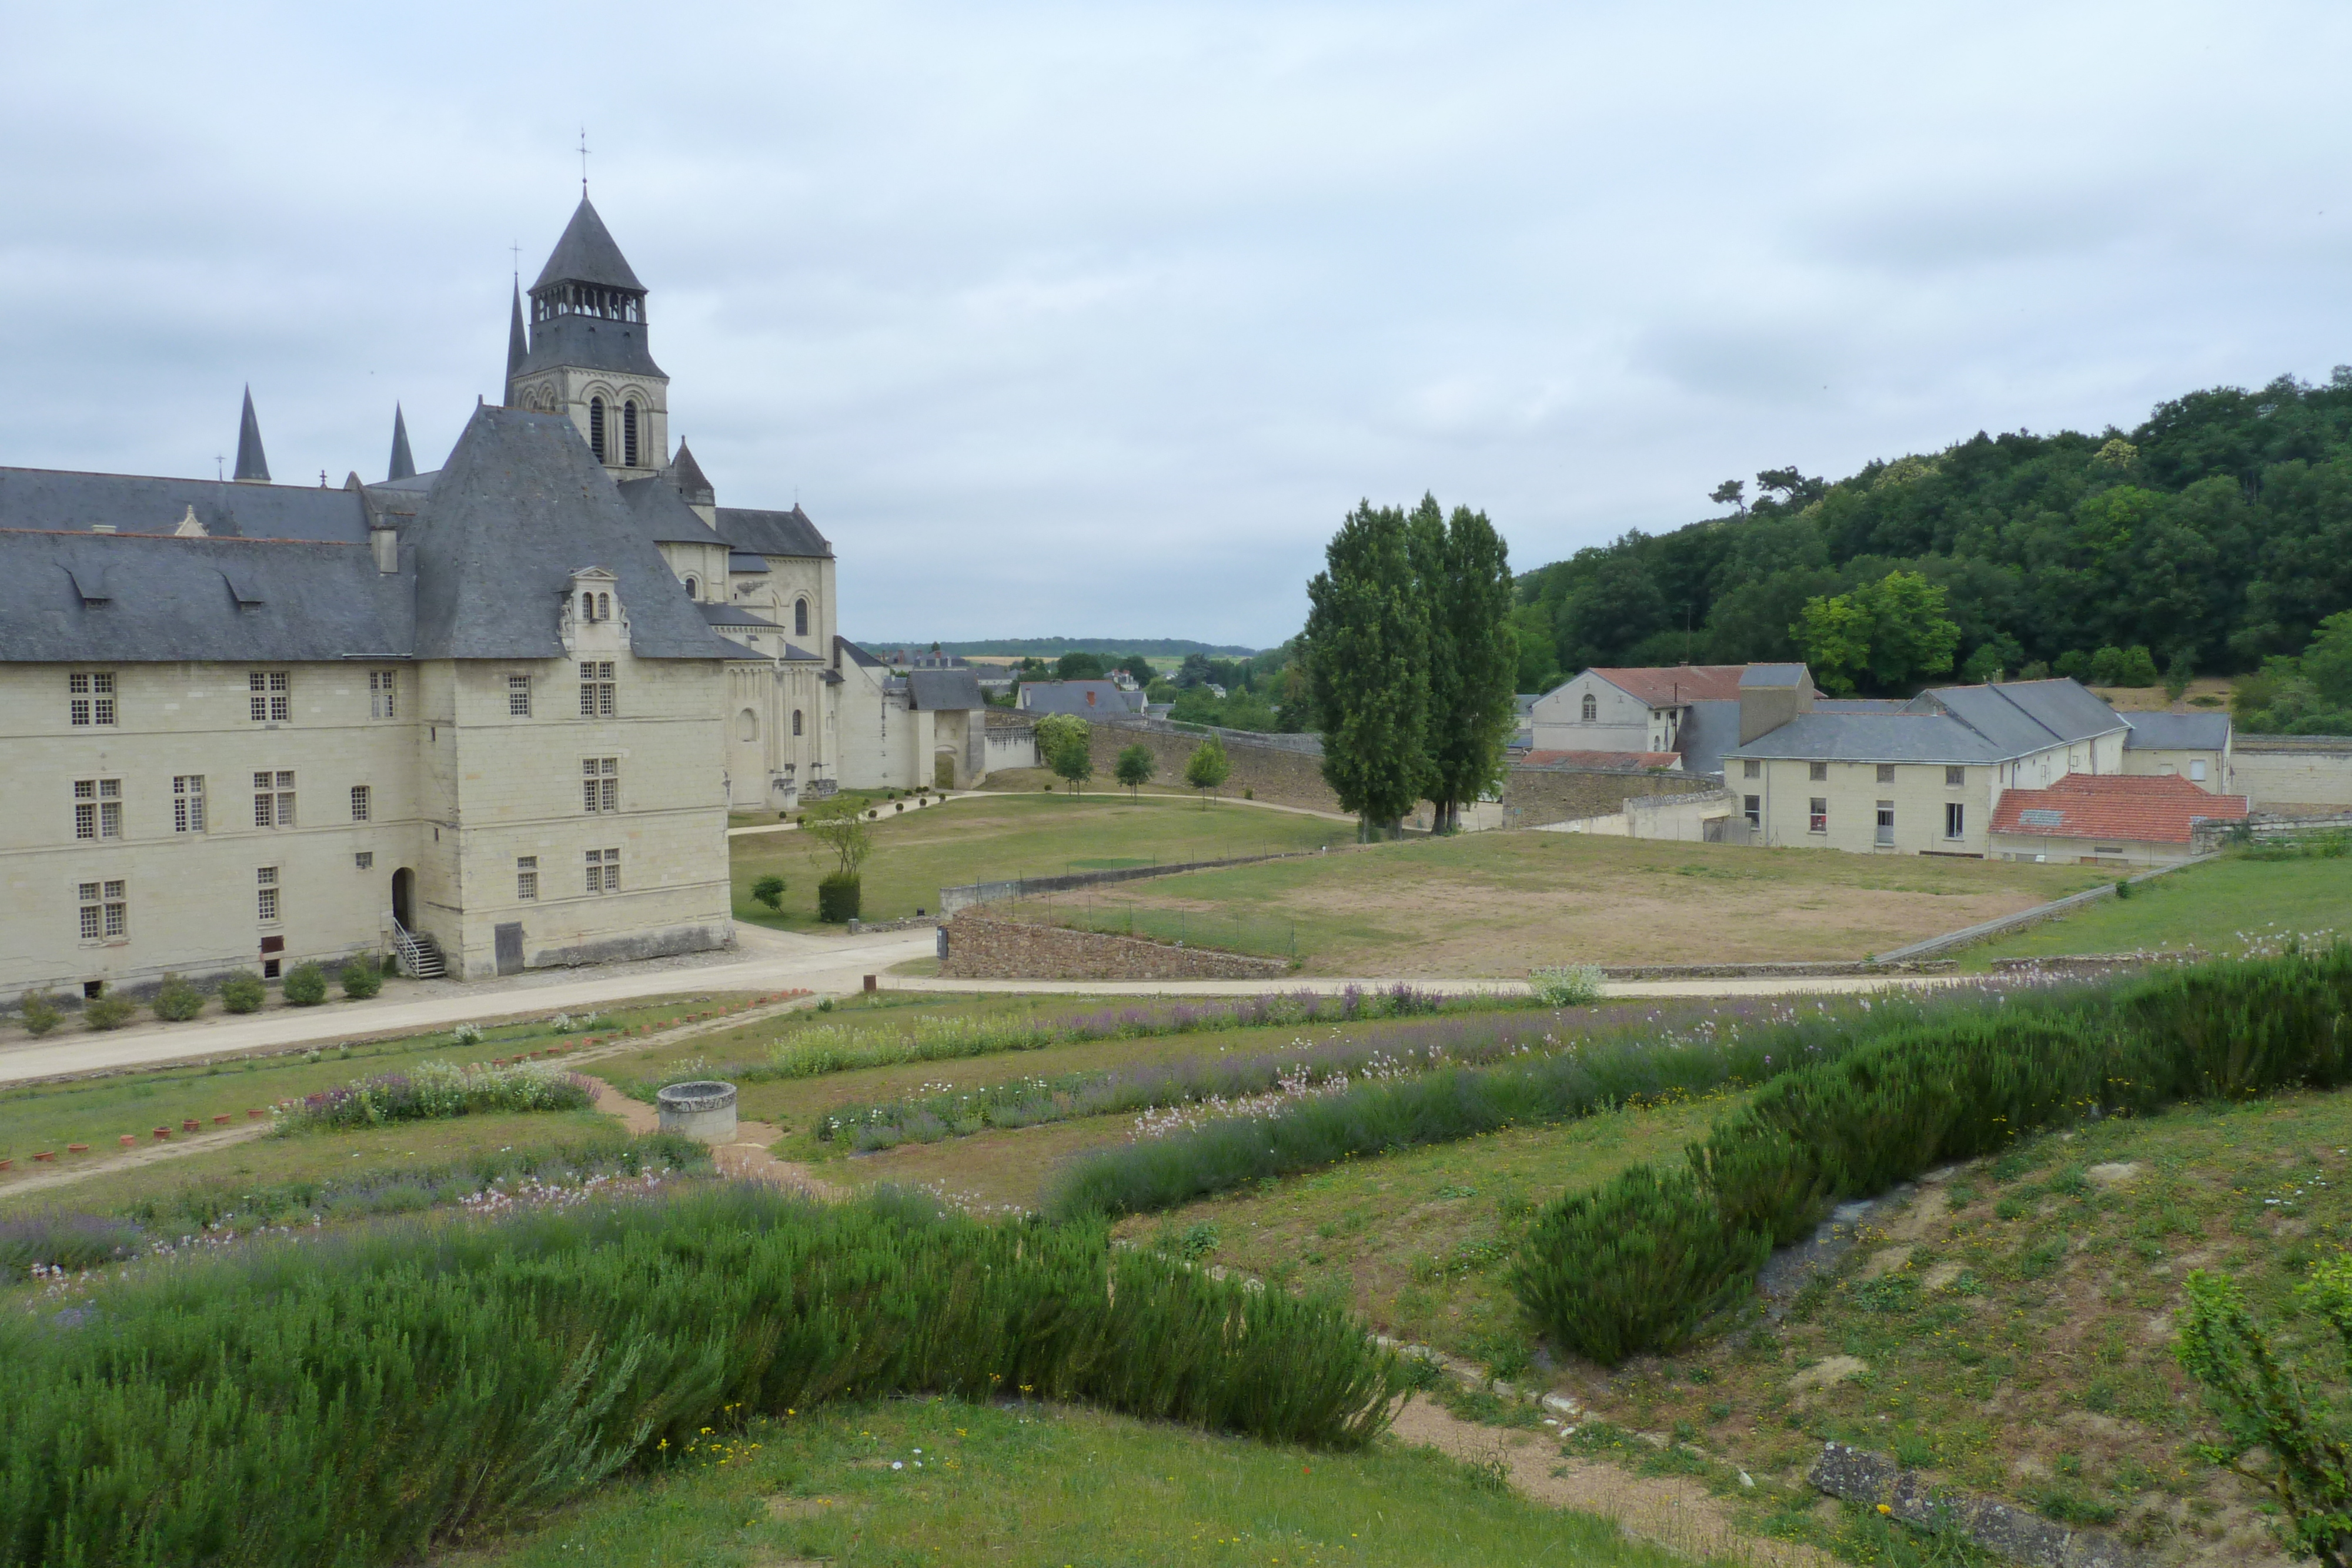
[404, 898]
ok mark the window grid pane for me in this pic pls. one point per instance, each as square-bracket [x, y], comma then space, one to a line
[359, 802]
[519, 696]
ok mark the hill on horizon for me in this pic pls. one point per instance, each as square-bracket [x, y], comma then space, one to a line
[1054, 647]
[2219, 529]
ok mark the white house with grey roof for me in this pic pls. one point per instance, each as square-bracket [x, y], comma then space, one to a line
[492, 716]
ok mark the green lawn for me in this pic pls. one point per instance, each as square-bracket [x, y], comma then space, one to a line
[988, 838]
[98, 1110]
[938, 1481]
[2218, 907]
[1499, 903]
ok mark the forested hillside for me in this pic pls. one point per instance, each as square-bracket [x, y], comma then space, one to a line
[2222, 528]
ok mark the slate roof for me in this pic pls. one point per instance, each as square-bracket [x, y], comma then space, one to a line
[1672, 684]
[251, 464]
[134, 504]
[945, 690]
[2029, 715]
[2176, 731]
[2138, 807]
[731, 615]
[586, 254]
[857, 655]
[590, 342]
[519, 508]
[1604, 761]
[1083, 698]
[1773, 674]
[663, 513]
[687, 476]
[743, 561]
[168, 600]
[1951, 724]
[1708, 730]
[1858, 704]
[772, 533]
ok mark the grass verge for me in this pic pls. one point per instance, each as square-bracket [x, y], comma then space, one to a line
[2226, 907]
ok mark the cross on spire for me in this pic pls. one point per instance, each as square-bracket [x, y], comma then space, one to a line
[583, 159]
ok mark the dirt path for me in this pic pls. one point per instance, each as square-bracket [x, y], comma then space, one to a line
[1672, 1511]
[145, 1154]
[745, 1159]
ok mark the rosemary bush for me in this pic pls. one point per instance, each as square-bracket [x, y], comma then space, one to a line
[433, 1090]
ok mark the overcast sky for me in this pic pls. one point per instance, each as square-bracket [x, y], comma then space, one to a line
[1094, 320]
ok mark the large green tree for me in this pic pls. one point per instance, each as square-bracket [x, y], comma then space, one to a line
[1890, 632]
[1463, 573]
[1367, 650]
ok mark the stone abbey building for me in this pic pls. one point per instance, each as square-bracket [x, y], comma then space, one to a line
[492, 716]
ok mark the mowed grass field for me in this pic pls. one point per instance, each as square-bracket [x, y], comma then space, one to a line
[1499, 903]
[2222, 907]
[989, 837]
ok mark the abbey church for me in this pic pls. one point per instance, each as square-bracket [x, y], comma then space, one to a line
[487, 718]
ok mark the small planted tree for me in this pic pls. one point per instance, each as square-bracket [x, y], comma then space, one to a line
[2289, 1439]
[769, 890]
[1207, 770]
[840, 829]
[1136, 767]
[1064, 744]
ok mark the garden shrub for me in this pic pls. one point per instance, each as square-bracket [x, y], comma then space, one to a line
[837, 899]
[38, 1012]
[434, 1090]
[1566, 985]
[305, 986]
[105, 1011]
[360, 977]
[243, 992]
[176, 1001]
[1644, 1263]
[769, 890]
[376, 1396]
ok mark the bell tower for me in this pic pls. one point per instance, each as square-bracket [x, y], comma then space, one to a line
[586, 355]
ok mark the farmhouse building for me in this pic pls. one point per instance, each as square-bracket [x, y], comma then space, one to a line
[490, 716]
[2118, 820]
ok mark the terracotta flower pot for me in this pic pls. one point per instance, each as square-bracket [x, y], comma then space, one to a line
[76, 1149]
[129, 1139]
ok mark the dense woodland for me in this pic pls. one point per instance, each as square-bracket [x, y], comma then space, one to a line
[2221, 529]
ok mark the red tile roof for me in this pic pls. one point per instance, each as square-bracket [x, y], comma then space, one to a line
[1671, 684]
[1616, 761]
[2160, 809]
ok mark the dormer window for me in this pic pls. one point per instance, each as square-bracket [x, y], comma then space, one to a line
[587, 607]
[604, 607]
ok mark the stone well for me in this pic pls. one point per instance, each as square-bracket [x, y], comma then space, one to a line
[704, 1111]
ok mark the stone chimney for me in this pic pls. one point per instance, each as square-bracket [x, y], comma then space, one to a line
[1770, 696]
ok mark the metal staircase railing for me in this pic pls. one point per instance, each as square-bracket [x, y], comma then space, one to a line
[419, 954]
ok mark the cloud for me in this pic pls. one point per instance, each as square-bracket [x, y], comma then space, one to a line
[1064, 317]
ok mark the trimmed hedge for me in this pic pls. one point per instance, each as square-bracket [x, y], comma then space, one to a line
[1925, 1095]
[375, 1397]
[837, 899]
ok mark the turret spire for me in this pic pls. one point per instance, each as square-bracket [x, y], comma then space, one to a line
[518, 342]
[403, 467]
[250, 463]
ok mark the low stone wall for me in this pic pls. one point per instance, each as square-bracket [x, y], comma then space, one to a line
[983, 949]
[2096, 963]
[2299, 770]
[1533, 797]
[1269, 772]
[1796, 971]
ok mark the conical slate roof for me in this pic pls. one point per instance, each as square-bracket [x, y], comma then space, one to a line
[517, 342]
[586, 254]
[687, 474]
[403, 465]
[250, 463]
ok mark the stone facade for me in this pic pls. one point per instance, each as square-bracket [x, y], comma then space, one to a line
[982, 949]
[1271, 773]
[2304, 771]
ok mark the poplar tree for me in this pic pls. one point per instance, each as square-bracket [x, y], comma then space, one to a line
[1367, 643]
[1465, 574]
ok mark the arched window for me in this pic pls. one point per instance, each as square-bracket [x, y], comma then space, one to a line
[796, 721]
[693, 589]
[629, 433]
[1592, 707]
[747, 726]
[597, 427]
[800, 618]
[587, 607]
[604, 607]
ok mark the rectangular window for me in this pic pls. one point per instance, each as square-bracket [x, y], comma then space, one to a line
[98, 809]
[604, 871]
[1886, 773]
[269, 698]
[1886, 822]
[383, 694]
[1753, 808]
[526, 877]
[265, 880]
[359, 802]
[1821, 773]
[1955, 777]
[273, 800]
[188, 803]
[596, 688]
[1956, 819]
[365, 860]
[1820, 816]
[105, 912]
[519, 696]
[1751, 769]
[600, 784]
[91, 697]
[2196, 771]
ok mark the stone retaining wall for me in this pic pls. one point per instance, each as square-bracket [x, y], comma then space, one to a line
[1794, 970]
[1535, 796]
[983, 949]
[2304, 769]
[1273, 773]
